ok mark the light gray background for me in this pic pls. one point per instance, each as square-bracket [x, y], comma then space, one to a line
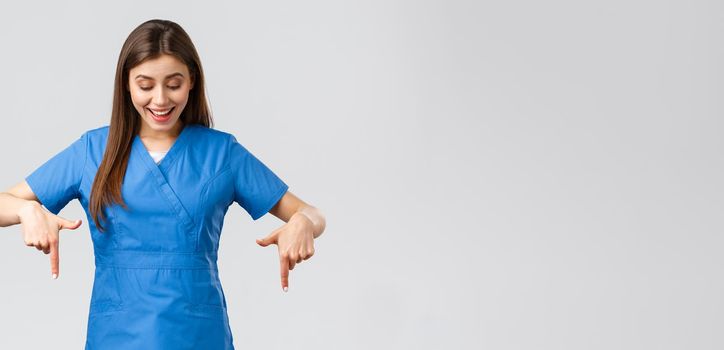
[496, 175]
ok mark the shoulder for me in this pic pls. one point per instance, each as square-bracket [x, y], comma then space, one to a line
[214, 137]
[208, 132]
[95, 141]
[100, 129]
[221, 143]
[96, 138]
[99, 132]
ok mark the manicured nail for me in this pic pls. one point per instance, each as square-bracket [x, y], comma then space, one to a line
[285, 289]
[55, 276]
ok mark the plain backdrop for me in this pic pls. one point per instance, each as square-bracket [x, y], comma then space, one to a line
[495, 174]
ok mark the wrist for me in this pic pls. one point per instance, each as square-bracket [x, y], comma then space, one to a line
[299, 215]
[312, 215]
[27, 207]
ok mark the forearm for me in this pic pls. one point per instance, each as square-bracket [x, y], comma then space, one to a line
[315, 216]
[10, 207]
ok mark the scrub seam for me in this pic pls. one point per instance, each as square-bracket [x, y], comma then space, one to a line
[232, 139]
[204, 198]
[85, 161]
[152, 252]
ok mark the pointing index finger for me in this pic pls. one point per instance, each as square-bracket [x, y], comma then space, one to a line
[54, 259]
[284, 265]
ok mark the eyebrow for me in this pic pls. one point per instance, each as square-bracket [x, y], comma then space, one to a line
[167, 77]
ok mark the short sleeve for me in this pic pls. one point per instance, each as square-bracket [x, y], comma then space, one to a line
[57, 181]
[256, 187]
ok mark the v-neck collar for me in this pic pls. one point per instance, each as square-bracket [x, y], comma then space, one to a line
[171, 154]
[158, 173]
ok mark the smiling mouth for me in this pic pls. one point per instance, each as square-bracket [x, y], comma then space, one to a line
[161, 115]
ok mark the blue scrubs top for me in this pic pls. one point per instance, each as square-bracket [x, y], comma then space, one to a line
[156, 283]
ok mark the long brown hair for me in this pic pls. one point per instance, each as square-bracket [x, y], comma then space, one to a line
[147, 41]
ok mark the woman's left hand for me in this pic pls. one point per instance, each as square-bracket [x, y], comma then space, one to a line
[295, 241]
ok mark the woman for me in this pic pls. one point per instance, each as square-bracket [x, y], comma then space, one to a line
[156, 184]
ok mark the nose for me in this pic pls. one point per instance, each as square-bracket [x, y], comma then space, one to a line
[159, 97]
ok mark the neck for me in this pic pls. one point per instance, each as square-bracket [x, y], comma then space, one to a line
[147, 132]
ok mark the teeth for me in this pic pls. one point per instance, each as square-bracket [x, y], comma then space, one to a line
[160, 113]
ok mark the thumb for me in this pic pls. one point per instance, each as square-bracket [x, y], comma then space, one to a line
[271, 238]
[65, 223]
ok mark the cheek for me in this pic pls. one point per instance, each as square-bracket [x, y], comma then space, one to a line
[139, 98]
[180, 97]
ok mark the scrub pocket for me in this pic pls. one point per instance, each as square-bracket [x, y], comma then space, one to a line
[214, 312]
[106, 297]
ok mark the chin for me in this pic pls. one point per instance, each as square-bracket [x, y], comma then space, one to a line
[157, 126]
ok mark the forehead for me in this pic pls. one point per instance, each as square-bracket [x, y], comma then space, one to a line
[159, 68]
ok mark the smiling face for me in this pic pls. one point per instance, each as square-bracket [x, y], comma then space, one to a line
[159, 90]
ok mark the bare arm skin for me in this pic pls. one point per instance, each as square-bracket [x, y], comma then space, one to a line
[13, 200]
[19, 205]
[294, 239]
[290, 205]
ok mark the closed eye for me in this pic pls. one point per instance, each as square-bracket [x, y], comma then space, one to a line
[170, 87]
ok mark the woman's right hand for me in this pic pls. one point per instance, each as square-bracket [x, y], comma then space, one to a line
[41, 230]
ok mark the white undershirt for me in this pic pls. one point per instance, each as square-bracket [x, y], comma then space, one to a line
[157, 156]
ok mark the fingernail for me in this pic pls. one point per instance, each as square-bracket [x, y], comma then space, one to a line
[285, 289]
[55, 276]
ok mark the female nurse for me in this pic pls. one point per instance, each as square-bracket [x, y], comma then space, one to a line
[155, 185]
